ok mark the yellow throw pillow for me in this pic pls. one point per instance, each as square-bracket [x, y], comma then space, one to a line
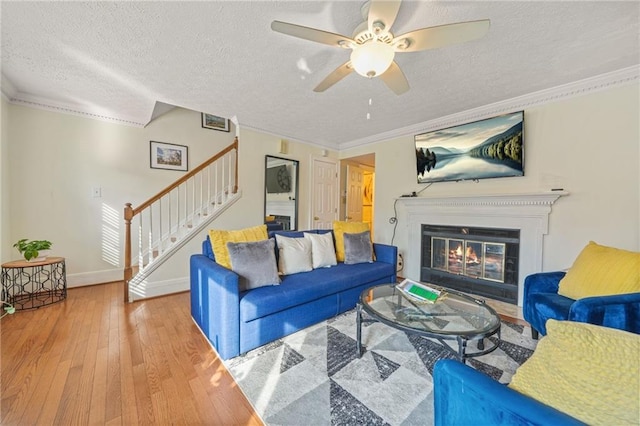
[219, 240]
[600, 271]
[587, 371]
[340, 228]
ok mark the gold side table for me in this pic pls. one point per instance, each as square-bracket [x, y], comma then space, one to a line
[31, 285]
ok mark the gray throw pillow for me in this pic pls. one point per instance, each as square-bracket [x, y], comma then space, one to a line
[357, 248]
[255, 263]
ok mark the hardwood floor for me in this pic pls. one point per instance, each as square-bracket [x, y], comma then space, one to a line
[507, 311]
[91, 359]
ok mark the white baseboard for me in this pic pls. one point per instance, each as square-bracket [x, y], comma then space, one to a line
[95, 277]
[148, 289]
[158, 288]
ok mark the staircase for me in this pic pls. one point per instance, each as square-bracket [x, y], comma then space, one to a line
[167, 221]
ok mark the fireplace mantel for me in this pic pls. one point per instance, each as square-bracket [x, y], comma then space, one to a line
[528, 212]
[535, 198]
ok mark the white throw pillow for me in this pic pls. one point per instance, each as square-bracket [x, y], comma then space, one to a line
[295, 255]
[323, 252]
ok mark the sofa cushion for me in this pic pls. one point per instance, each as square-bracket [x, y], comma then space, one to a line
[323, 252]
[255, 263]
[590, 372]
[294, 255]
[339, 229]
[220, 238]
[301, 288]
[600, 271]
[357, 248]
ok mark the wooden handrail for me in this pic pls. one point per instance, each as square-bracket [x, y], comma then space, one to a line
[130, 212]
[188, 176]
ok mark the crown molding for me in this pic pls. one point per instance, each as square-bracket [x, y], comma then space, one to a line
[241, 127]
[594, 84]
[77, 110]
[14, 96]
[589, 85]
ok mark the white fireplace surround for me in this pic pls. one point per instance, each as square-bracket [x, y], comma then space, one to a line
[527, 212]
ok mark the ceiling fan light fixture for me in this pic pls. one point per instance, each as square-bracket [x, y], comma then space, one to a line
[372, 58]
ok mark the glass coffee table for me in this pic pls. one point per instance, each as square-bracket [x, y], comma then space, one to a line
[454, 316]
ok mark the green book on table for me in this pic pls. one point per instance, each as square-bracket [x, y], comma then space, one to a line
[423, 293]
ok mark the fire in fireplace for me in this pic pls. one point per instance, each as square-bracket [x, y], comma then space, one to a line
[475, 259]
[482, 261]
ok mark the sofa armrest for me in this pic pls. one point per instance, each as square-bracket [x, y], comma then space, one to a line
[386, 253]
[542, 282]
[621, 311]
[215, 304]
[464, 396]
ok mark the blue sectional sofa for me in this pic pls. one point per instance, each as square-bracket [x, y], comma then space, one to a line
[236, 322]
[464, 396]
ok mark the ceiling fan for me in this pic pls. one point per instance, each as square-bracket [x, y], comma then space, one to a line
[374, 46]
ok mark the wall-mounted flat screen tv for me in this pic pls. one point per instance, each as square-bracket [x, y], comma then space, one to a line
[488, 148]
[278, 180]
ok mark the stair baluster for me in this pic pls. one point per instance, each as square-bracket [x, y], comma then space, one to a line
[185, 217]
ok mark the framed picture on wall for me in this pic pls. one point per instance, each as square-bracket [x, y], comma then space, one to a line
[169, 156]
[214, 122]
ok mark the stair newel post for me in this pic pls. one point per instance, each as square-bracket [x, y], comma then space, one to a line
[235, 181]
[128, 271]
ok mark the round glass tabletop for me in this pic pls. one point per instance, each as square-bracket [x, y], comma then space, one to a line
[452, 315]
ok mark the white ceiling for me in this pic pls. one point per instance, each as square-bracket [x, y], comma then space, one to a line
[117, 59]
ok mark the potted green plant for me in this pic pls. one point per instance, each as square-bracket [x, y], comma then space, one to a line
[33, 251]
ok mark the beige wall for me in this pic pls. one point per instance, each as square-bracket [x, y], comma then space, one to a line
[56, 160]
[5, 244]
[589, 145]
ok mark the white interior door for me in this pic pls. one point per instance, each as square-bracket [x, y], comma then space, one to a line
[355, 188]
[324, 184]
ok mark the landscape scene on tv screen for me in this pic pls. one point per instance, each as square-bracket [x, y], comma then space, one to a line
[483, 149]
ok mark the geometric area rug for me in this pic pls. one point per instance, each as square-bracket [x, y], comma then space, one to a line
[314, 376]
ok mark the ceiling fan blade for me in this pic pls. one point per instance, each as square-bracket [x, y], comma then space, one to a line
[338, 74]
[382, 11]
[312, 34]
[443, 35]
[394, 78]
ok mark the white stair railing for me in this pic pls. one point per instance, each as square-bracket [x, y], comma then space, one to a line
[167, 221]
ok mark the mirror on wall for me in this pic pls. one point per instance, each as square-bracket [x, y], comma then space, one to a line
[280, 193]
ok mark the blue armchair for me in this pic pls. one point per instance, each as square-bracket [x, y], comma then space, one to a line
[542, 301]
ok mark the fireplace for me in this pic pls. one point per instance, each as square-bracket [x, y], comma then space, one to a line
[482, 261]
[526, 213]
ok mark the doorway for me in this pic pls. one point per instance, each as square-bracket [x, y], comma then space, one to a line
[357, 189]
[324, 193]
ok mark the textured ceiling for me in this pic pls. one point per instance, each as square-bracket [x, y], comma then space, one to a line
[117, 59]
